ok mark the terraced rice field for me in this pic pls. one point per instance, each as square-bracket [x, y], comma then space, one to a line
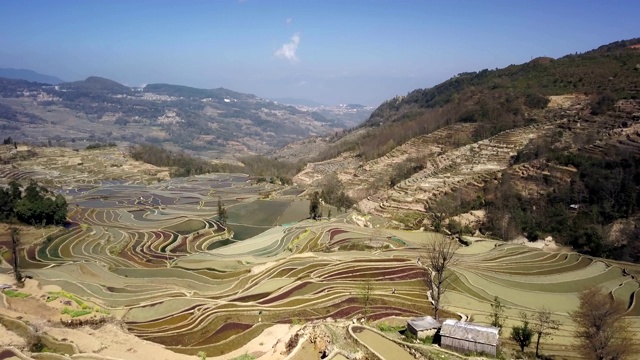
[156, 257]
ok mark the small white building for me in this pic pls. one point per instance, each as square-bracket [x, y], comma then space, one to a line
[423, 327]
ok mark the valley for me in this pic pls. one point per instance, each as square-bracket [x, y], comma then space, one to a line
[210, 122]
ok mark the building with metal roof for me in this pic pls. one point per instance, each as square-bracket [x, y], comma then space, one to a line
[466, 337]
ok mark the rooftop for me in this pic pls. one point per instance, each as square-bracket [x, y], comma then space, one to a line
[470, 332]
[424, 323]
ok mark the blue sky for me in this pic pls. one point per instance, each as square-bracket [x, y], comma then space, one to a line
[328, 51]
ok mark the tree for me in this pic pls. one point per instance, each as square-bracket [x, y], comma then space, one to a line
[497, 310]
[38, 206]
[601, 329]
[222, 212]
[543, 325]
[314, 206]
[333, 193]
[439, 212]
[440, 256]
[603, 103]
[364, 293]
[15, 243]
[522, 335]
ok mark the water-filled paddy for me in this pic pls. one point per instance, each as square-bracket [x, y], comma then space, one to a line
[165, 263]
[260, 212]
[387, 349]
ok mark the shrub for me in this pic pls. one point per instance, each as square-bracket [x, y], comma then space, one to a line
[16, 294]
[384, 327]
[603, 103]
[75, 313]
[536, 101]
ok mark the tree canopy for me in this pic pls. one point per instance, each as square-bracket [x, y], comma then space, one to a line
[35, 206]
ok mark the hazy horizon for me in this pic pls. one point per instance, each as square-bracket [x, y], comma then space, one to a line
[326, 51]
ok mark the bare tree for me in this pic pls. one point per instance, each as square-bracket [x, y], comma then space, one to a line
[497, 312]
[543, 325]
[439, 258]
[601, 329]
[222, 212]
[365, 296]
[15, 243]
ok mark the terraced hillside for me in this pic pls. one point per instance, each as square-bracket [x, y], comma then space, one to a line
[156, 259]
[466, 166]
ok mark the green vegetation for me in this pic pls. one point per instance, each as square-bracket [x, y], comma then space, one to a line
[499, 99]
[576, 213]
[100, 145]
[75, 313]
[315, 211]
[384, 327]
[333, 193]
[37, 206]
[56, 294]
[583, 73]
[522, 334]
[365, 294]
[497, 314]
[410, 219]
[97, 84]
[278, 171]
[223, 216]
[16, 294]
[52, 297]
[181, 164]
[403, 170]
[244, 357]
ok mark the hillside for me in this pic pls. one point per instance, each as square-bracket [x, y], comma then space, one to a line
[94, 84]
[490, 149]
[218, 122]
[611, 67]
[297, 101]
[29, 75]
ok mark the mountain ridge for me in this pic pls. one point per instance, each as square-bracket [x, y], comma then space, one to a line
[503, 152]
[29, 75]
[217, 122]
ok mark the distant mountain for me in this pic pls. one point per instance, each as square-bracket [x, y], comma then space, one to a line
[296, 101]
[216, 121]
[29, 75]
[96, 84]
[195, 93]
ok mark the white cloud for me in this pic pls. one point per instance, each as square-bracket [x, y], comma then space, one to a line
[288, 21]
[288, 50]
[302, 83]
